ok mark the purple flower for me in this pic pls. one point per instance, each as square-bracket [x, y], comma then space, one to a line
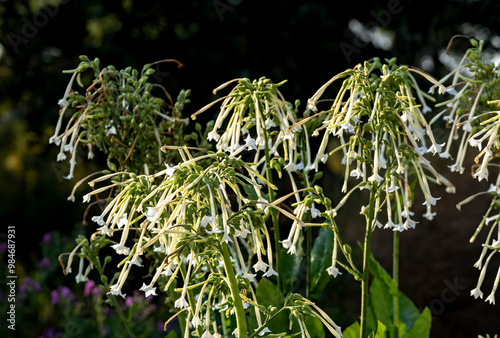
[129, 301]
[49, 333]
[88, 288]
[160, 325]
[46, 238]
[91, 289]
[37, 287]
[3, 247]
[54, 297]
[44, 263]
[66, 292]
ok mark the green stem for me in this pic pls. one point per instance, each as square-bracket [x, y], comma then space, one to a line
[366, 261]
[308, 266]
[192, 302]
[274, 217]
[113, 299]
[395, 276]
[276, 314]
[235, 292]
[182, 315]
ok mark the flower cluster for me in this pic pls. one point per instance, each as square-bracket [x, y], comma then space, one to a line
[186, 221]
[473, 114]
[118, 115]
[384, 138]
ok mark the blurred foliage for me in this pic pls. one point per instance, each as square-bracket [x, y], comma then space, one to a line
[297, 41]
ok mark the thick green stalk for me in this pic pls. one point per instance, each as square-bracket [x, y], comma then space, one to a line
[235, 292]
[395, 276]
[366, 261]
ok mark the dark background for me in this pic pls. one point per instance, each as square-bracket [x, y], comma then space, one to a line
[306, 43]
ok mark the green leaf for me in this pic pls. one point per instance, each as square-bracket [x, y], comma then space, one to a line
[290, 267]
[321, 259]
[171, 334]
[380, 302]
[267, 295]
[422, 326]
[380, 330]
[352, 331]
[315, 327]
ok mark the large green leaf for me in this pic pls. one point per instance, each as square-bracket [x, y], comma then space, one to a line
[321, 259]
[352, 331]
[267, 295]
[381, 329]
[315, 327]
[380, 304]
[422, 326]
[171, 334]
[290, 267]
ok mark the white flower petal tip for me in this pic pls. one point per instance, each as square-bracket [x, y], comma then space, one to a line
[264, 331]
[181, 303]
[491, 299]
[270, 272]
[476, 293]
[250, 143]
[435, 148]
[375, 178]
[148, 290]
[333, 271]
[260, 266]
[213, 136]
[121, 249]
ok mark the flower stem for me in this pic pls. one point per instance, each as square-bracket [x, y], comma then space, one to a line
[235, 292]
[395, 276]
[192, 302]
[274, 218]
[366, 261]
[112, 298]
[308, 266]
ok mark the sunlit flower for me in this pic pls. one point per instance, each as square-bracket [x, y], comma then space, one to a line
[181, 303]
[148, 290]
[260, 265]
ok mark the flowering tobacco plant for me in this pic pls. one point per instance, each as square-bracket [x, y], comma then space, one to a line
[384, 138]
[204, 225]
[473, 114]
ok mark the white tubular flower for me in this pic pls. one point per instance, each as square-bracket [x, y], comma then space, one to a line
[121, 249]
[491, 297]
[270, 272]
[264, 331]
[333, 270]
[213, 135]
[476, 292]
[116, 289]
[148, 290]
[181, 303]
[80, 278]
[260, 265]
